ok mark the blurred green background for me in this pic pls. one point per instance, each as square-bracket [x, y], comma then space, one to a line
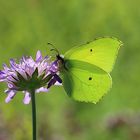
[27, 25]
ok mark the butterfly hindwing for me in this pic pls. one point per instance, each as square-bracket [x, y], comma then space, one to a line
[85, 82]
[101, 52]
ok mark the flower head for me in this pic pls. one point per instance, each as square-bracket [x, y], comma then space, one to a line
[29, 75]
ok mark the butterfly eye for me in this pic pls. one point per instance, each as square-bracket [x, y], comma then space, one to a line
[90, 78]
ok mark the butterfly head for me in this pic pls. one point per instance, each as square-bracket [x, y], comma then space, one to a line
[59, 58]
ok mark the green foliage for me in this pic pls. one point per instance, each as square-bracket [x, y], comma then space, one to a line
[26, 26]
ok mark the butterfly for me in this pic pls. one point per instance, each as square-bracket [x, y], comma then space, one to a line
[85, 70]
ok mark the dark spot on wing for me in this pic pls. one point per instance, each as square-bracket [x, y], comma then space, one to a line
[91, 50]
[90, 78]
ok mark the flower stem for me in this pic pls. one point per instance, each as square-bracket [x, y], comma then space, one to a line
[33, 114]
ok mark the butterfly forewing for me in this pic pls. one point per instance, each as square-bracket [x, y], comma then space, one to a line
[101, 52]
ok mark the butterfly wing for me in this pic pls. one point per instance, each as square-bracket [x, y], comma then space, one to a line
[101, 52]
[85, 82]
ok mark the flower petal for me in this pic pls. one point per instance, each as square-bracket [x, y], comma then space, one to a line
[13, 64]
[38, 56]
[2, 76]
[58, 84]
[6, 69]
[29, 70]
[54, 66]
[27, 98]
[51, 82]
[10, 95]
[22, 73]
[1, 72]
[42, 89]
[10, 85]
[57, 78]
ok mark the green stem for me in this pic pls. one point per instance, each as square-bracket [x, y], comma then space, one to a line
[33, 114]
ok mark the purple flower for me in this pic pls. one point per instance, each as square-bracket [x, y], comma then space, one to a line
[28, 75]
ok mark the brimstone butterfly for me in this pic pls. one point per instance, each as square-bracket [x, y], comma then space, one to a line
[85, 69]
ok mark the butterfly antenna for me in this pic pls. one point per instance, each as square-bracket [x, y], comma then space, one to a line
[53, 49]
